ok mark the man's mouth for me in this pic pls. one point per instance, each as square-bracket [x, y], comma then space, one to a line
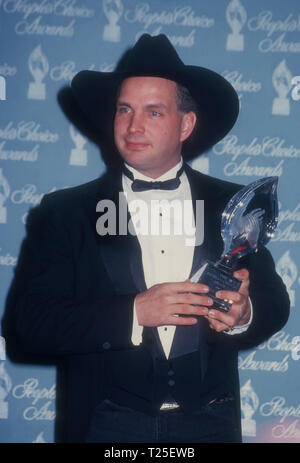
[136, 145]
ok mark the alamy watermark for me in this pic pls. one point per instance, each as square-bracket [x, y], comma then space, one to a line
[154, 218]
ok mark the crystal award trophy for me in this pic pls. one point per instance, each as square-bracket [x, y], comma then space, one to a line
[248, 222]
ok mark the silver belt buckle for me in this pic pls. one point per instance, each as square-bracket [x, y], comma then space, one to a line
[169, 406]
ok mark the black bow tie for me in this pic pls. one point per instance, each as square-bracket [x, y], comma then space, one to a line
[143, 185]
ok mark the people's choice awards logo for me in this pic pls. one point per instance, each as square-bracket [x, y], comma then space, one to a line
[30, 391]
[156, 22]
[5, 387]
[275, 31]
[78, 155]
[4, 194]
[287, 269]
[282, 81]
[249, 405]
[240, 84]
[39, 67]
[287, 232]
[113, 10]
[236, 17]
[287, 418]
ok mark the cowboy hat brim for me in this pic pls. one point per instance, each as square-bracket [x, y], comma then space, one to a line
[216, 99]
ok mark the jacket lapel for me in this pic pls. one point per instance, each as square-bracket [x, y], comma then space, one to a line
[120, 253]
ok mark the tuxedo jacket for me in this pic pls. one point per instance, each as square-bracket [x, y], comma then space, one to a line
[74, 294]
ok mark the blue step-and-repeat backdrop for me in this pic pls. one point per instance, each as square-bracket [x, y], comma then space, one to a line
[255, 44]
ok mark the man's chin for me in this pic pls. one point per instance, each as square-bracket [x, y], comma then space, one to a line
[136, 157]
[140, 163]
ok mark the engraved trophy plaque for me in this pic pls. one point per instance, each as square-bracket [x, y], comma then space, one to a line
[248, 222]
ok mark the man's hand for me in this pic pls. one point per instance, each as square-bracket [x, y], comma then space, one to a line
[239, 313]
[162, 304]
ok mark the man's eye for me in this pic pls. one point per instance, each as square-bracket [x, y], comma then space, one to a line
[123, 110]
[155, 113]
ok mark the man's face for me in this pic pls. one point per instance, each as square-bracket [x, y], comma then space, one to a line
[148, 128]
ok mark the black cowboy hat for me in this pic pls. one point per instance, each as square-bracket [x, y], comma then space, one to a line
[216, 99]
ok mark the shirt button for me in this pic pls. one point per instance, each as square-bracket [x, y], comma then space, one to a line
[171, 372]
[162, 251]
[106, 345]
[171, 382]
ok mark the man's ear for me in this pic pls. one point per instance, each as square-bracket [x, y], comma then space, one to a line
[187, 125]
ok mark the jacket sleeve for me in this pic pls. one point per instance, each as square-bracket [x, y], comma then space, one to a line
[45, 316]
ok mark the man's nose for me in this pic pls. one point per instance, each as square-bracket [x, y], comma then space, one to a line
[136, 123]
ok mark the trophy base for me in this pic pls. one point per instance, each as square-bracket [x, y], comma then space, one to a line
[111, 33]
[3, 410]
[3, 215]
[78, 157]
[235, 42]
[217, 279]
[281, 107]
[248, 428]
[36, 91]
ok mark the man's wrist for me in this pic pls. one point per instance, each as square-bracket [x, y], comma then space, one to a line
[241, 328]
[247, 317]
[137, 330]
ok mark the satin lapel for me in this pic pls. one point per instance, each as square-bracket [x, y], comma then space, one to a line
[193, 338]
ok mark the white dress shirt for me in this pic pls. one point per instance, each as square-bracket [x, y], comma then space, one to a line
[166, 239]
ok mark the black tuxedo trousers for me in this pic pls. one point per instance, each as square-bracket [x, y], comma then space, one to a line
[72, 300]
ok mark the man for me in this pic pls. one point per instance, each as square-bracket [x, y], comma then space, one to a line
[145, 356]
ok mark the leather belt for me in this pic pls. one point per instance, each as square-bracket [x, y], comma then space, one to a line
[169, 406]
